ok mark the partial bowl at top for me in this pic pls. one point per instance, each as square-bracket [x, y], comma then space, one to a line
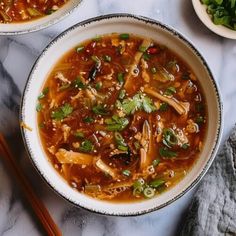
[143, 27]
[27, 26]
[201, 11]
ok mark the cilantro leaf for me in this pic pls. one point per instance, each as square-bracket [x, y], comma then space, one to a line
[148, 105]
[86, 146]
[116, 123]
[166, 153]
[62, 112]
[138, 102]
[100, 110]
[43, 93]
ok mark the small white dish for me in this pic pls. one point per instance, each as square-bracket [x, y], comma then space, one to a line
[41, 23]
[120, 23]
[201, 12]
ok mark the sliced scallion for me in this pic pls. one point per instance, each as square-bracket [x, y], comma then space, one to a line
[149, 192]
[124, 36]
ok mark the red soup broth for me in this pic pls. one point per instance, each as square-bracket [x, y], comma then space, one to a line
[12, 11]
[122, 117]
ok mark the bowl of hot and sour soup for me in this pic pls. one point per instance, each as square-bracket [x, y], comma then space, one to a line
[121, 115]
[25, 16]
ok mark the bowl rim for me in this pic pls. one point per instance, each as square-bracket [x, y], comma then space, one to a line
[31, 29]
[186, 41]
[220, 30]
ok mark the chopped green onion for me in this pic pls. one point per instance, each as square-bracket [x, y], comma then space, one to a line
[126, 173]
[63, 87]
[97, 38]
[164, 152]
[199, 120]
[43, 93]
[79, 134]
[142, 49]
[88, 119]
[107, 58]
[156, 183]
[137, 145]
[80, 49]
[146, 56]
[199, 107]
[121, 145]
[169, 137]
[95, 59]
[120, 78]
[86, 146]
[77, 83]
[34, 12]
[122, 148]
[98, 85]
[116, 123]
[124, 36]
[149, 192]
[163, 107]
[185, 76]
[154, 70]
[50, 11]
[122, 94]
[138, 187]
[170, 91]
[100, 110]
[41, 125]
[185, 146]
[156, 162]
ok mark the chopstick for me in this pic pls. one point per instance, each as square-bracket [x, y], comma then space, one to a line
[38, 207]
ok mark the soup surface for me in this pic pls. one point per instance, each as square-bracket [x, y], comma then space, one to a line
[26, 10]
[122, 117]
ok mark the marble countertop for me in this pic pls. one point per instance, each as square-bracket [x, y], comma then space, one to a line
[17, 55]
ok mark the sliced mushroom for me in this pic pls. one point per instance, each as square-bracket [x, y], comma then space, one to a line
[147, 151]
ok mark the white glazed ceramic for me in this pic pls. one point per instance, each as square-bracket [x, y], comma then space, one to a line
[120, 23]
[41, 23]
[200, 10]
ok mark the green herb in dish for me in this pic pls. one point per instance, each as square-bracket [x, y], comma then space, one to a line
[222, 12]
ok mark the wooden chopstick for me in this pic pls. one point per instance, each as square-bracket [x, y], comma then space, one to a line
[38, 207]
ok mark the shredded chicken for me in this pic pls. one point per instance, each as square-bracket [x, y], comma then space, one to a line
[160, 127]
[66, 132]
[192, 127]
[78, 95]
[70, 157]
[180, 107]
[62, 78]
[105, 168]
[52, 150]
[144, 67]
[25, 126]
[181, 137]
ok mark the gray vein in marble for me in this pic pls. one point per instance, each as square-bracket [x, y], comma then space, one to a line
[9, 101]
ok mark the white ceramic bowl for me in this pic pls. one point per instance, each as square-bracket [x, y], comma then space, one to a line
[200, 10]
[41, 23]
[140, 26]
